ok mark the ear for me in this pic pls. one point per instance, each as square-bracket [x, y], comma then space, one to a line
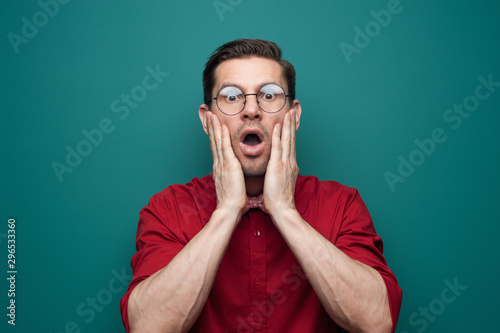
[202, 112]
[298, 112]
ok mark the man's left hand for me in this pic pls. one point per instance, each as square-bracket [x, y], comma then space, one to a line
[282, 169]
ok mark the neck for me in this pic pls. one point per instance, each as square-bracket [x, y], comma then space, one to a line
[254, 185]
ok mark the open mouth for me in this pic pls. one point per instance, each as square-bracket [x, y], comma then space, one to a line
[251, 142]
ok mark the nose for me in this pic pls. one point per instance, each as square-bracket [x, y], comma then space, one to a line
[251, 109]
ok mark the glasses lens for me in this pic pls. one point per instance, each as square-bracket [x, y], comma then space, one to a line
[271, 98]
[230, 100]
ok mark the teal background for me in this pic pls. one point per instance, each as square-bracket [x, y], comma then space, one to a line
[440, 224]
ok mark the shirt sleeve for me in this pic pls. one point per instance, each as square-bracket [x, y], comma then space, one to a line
[358, 239]
[156, 242]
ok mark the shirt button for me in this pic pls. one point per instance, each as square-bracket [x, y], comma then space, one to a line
[256, 233]
[257, 281]
[258, 327]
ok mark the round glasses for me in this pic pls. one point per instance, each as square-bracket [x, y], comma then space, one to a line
[230, 100]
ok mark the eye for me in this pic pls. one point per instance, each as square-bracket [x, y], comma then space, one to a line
[268, 96]
[230, 95]
[270, 92]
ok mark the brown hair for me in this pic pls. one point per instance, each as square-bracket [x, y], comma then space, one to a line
[244, 48]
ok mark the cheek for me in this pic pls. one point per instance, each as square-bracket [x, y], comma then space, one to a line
[234, 135]
[277, 121]
[230, 127]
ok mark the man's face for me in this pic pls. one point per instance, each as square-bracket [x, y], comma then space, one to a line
[251, 129]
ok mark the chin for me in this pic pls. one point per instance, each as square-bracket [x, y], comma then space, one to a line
[254, 173]
[254, 168]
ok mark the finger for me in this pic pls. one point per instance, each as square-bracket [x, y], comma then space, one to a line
[227, 149]
[276, 143]
[293, 147]
[285, 138]
[211, 136]
[218, 136]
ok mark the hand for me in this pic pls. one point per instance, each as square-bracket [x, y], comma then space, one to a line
[227, 172]
[282, 169]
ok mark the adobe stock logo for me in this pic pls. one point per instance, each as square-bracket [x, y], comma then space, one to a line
[40, 19]
[94, 304]
[372, 29]
[222, 6]
[428, 314]
[261, 311]
[94, 137]
[427, 146]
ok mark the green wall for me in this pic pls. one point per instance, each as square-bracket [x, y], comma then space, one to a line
[369, 100]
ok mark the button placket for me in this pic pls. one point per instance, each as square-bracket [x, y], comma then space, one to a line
[257, 241]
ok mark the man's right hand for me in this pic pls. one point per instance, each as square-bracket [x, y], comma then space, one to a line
[164, 302]
[227, 173]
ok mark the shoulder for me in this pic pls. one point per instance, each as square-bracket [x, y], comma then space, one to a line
[192, 191]
[324, 197]
[312, 186]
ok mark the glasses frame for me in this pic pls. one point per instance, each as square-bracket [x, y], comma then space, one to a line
[245, 102]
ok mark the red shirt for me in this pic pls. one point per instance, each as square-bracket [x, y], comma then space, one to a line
[259, 285]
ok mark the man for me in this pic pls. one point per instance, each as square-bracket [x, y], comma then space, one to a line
[254, 246]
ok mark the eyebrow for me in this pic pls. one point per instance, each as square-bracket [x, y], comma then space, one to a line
[233, 84]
